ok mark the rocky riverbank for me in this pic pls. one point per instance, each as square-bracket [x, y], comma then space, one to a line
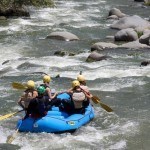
[19, 8]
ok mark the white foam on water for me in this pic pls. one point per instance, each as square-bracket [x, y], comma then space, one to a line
[96, 70]
[117, 84]
[2, 135]
[55, 61]
[118, 145]
[9, 51]
[64, 13]
[3, 29]
[89, 135]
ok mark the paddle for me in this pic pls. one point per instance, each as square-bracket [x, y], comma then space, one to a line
[18, 85]
[10, 138]
[9, 115]
[96, 100]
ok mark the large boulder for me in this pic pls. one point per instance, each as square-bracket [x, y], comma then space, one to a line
[128, 34]
[145, 63]
[145, 39]
[62, 35]
[102, 45]
[94, 56]
[134, 45]
[130, 22]
[116, 12]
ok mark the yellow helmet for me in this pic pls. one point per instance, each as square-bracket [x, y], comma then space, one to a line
[46, 79]
[75, 83]
[30, 84]
[80, 78]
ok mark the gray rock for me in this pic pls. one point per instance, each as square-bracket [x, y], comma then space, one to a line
[116, 12]
[63, 53]
[102, 45]
[145, 39]
[66, 36]
[145, 63]
[146, 31]
[134, 45]
[128, 34]
[113, 17]
[3, 18]
[94, 56]
[130, 22]
[5, 62]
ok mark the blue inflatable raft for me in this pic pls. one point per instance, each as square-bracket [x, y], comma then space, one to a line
[56, 121]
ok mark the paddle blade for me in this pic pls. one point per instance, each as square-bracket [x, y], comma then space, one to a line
[7, 116]
[19, 86]
[107, 108]
[96, 100]
[10, 138]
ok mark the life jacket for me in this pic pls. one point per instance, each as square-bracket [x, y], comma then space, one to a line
[27, 97]
[45, 86]
[37, 107]
[78, 97]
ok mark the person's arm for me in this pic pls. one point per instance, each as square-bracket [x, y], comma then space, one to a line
[88, 95]
[35, 94]
[54, 95]
[21, 99]
[48, 92]
[70, 91]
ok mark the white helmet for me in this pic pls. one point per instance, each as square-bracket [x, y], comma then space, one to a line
[75, 83]
[80, 78]
[30, 84]
[46, 79]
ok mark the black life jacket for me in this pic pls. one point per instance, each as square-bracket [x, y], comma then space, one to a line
[37, 107]
[45, 86]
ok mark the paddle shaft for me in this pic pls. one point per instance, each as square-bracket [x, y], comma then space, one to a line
[96, 100]
[9, 115]
[12, 137]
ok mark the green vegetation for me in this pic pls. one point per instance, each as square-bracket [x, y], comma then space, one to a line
[5, 4]
[139, 34]
[147, 4]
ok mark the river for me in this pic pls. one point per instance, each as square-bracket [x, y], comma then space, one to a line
[119, 82]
